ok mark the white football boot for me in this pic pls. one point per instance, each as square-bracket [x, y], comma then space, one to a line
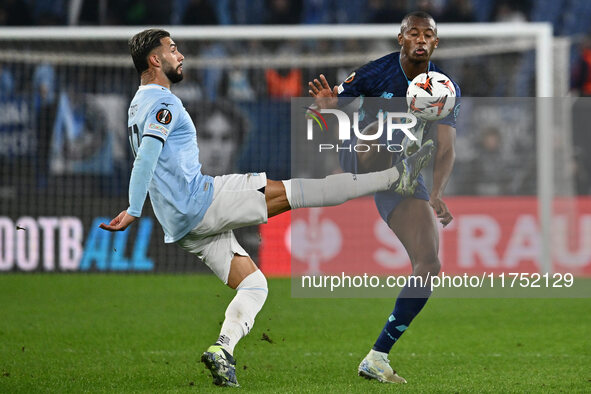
[377, 366]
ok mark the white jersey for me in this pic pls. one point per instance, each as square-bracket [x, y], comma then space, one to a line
[179, 192]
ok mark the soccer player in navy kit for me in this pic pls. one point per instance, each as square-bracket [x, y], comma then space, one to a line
[409, 215]
[199, 212]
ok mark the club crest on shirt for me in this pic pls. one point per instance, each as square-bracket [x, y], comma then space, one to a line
[164, 116]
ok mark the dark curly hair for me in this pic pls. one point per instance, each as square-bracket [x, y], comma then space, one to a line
[142, 44]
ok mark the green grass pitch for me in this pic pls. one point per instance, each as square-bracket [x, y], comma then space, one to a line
[145, 333]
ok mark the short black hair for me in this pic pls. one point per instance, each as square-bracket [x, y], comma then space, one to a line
[142, 44]
[415, 14]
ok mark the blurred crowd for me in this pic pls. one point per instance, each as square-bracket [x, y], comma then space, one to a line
[257, 97]
[239, 12]
[569, 17]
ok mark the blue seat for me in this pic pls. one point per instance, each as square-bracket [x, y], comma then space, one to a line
[548, 11]
[482, 9]
[576, 18]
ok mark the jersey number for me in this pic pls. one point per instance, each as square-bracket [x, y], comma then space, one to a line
[134, 138]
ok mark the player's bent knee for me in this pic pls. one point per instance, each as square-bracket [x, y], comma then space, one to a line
[240, 268]
[256, 282]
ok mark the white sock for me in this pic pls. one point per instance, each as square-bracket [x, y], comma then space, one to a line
[337, 189]
[250, 296]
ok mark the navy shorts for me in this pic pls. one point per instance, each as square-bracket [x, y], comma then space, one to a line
[386, 202]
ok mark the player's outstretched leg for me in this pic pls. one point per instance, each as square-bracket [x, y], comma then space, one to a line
[337, 189]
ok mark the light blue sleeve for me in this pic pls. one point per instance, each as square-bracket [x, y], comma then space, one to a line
[162, 119]
[142, 173]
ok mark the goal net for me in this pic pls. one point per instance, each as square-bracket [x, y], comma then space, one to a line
[64, 155]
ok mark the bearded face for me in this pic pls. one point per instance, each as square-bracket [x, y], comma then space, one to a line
[174, 74]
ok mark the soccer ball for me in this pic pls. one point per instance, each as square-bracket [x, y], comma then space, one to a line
[431, 96]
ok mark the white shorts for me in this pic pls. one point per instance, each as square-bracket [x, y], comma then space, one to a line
[237, 202]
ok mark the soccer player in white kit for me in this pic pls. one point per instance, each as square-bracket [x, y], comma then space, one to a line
[199, 212]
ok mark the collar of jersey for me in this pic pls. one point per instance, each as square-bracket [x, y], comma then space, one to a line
[403, 73]
[153, 86]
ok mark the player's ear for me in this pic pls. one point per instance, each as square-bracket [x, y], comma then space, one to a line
[436, 42]
[400, 38]
[154, 60]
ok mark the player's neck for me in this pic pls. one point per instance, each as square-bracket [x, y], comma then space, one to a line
[152, 77]
[412, 69]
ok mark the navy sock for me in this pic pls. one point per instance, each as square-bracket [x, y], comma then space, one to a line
[409, 303]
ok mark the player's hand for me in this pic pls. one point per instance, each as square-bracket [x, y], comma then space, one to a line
[322, 92]
[441, 210]
[120, 223]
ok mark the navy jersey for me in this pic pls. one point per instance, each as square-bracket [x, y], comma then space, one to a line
[385, 78]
